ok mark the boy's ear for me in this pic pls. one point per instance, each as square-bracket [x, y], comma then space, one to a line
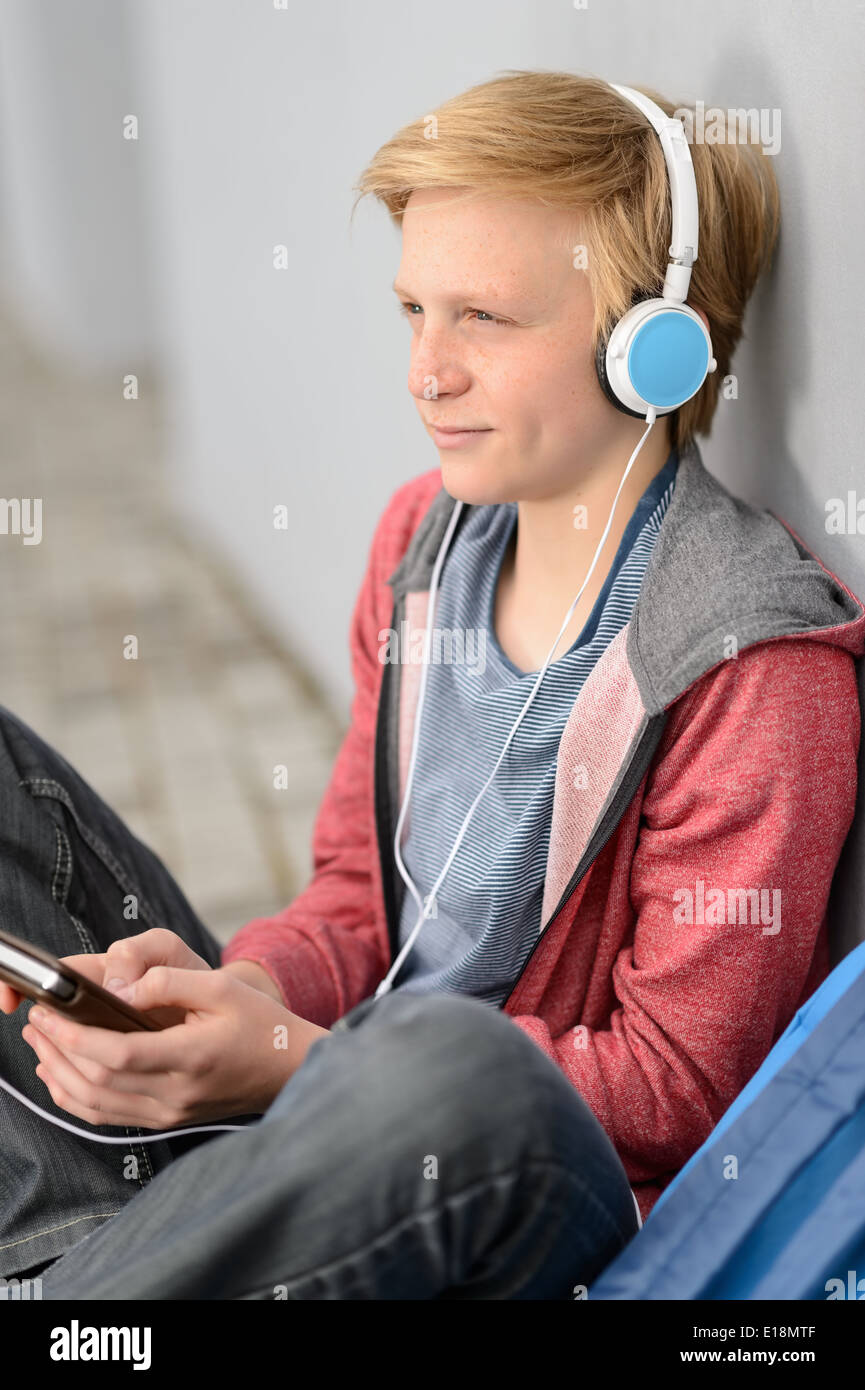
[702, 314]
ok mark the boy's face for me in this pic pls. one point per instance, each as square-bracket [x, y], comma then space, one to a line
[526, 385]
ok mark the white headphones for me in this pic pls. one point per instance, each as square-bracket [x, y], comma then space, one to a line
[657, 357]
[659, 353]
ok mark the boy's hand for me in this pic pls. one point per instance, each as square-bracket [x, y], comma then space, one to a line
[231, 1055]
[128, 959]
[122, 964]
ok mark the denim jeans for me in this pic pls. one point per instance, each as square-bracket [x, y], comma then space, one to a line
[426, 1148]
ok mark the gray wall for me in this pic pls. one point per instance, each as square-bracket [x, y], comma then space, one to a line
[74, 232]
[289, 386]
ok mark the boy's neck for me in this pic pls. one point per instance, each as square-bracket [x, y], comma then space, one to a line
[548, 555]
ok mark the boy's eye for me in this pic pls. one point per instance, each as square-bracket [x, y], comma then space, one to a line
[482, 315]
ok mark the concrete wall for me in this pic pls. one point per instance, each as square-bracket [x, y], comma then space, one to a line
[74, 233]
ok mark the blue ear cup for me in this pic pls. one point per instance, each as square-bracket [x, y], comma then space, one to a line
[658, 355]
[668, 359]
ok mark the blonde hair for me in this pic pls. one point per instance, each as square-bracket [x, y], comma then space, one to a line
[574, 143]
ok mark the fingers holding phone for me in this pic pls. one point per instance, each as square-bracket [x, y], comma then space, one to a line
[231, 1056]
[9, 999]
[93, 987]
[91, 965]
[128, 959]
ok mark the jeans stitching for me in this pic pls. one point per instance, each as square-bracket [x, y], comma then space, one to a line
[63, 874]
[600, 1209]
[46, 786]
[62, 866]
[49, 1230]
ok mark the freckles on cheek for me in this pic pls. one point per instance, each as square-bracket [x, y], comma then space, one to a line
[558, 390]
[576, 376]
[522, 380]
[553, 364]
[541, 377]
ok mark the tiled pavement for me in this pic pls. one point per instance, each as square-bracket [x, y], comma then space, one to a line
[181, 742]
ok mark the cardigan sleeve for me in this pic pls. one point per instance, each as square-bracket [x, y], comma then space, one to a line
[754, 797]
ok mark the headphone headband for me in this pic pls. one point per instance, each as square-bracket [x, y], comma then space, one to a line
[683, 193]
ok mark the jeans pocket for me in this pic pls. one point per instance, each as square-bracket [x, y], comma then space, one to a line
[111, 883]
[94, 877]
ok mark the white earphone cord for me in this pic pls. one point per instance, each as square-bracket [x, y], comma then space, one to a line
[126, 1139]
[386, 983]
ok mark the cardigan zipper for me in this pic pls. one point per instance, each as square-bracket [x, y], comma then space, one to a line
[384, 824]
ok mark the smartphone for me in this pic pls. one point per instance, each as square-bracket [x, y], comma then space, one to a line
[42, 977]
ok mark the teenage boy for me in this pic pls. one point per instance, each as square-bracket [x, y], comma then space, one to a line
[638, 905]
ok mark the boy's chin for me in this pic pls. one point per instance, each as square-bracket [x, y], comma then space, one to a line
[473, 483]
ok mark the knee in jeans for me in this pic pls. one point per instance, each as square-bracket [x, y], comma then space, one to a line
[452, 1051]
[433, 1023]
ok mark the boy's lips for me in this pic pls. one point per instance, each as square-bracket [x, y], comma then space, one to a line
[455, 436]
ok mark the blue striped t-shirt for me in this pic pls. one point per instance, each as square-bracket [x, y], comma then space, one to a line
[487, 914]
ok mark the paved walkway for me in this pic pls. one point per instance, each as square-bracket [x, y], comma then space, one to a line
[182, 742]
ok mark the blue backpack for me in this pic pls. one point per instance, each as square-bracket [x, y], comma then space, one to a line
[773, 1204]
